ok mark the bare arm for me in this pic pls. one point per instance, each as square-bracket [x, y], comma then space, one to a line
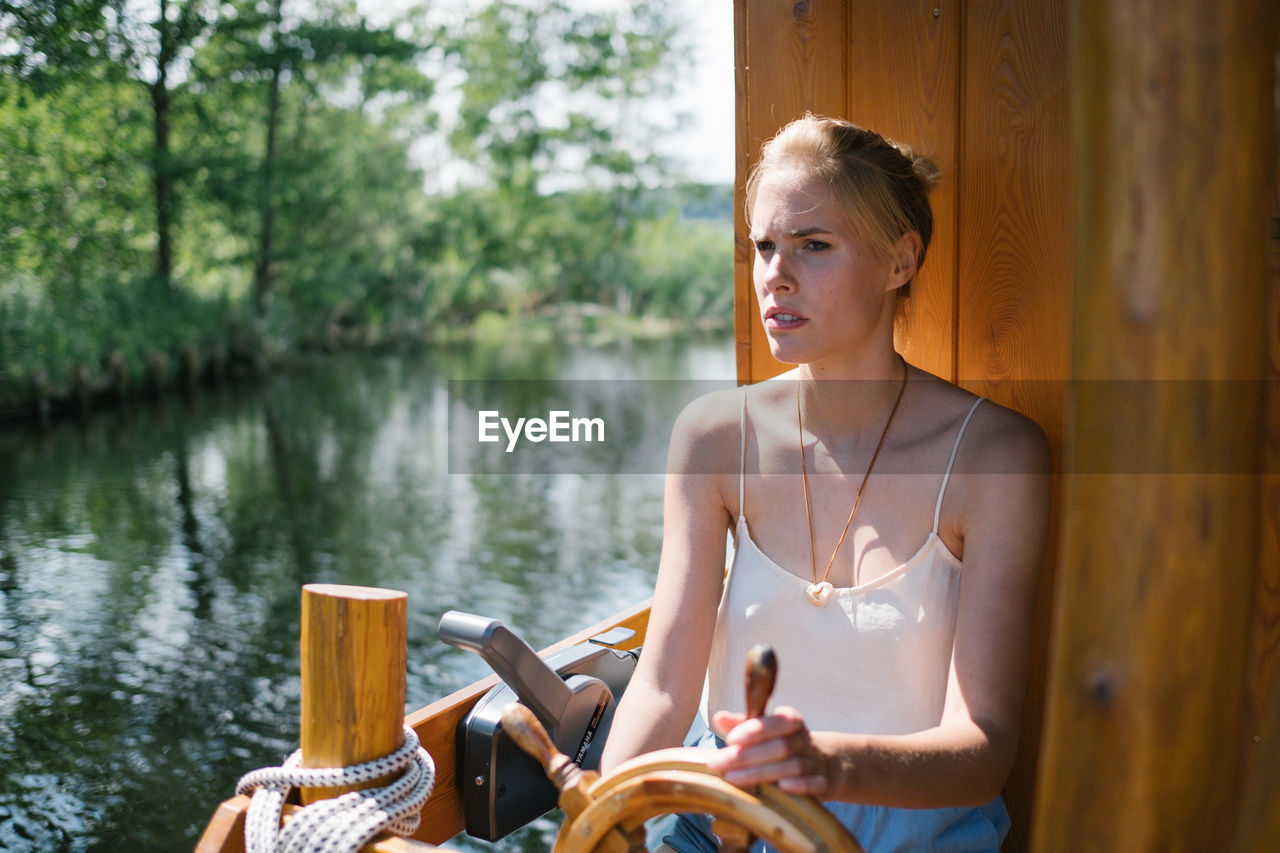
[661, 699]
[964, 760]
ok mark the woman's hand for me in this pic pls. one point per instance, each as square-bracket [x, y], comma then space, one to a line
[777, 747]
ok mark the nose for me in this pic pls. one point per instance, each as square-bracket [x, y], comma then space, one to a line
[774, 272]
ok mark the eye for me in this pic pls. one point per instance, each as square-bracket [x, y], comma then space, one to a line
[764, 246]
[817, 245]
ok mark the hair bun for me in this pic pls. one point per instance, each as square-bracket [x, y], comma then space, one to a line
[923, 167]
[925, 170]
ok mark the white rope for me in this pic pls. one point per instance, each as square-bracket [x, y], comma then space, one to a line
[343, 824]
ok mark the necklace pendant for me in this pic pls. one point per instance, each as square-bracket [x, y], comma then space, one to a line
[819, 593]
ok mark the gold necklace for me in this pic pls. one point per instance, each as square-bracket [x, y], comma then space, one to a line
[820, 590]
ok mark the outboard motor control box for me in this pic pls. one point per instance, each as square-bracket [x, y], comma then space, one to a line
[573, 693]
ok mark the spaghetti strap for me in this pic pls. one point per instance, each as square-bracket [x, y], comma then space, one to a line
[937, 509]
[742, 457]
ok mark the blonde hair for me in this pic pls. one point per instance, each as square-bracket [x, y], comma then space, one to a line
[881, 186]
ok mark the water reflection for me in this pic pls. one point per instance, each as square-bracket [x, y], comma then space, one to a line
[151, 560]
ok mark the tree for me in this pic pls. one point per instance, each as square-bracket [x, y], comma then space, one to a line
[549, 102]
[183, 179]
[54, 42]
[334, 51]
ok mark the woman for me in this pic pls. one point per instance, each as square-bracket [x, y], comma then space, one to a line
[888, 527]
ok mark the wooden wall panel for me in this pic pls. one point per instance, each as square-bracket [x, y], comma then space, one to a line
[1148, 674]
[1259, 825]
[1155, 699]
[1014, 269]
[1015, 257]
[802, 46]
[904, 77]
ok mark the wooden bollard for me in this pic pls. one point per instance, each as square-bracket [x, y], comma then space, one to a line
[353, 664]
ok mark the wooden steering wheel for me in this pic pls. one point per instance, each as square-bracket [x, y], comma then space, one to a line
[607, 814]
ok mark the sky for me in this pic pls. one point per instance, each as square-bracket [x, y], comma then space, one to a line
[708, 145]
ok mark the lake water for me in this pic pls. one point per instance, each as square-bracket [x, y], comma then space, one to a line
[151, 560]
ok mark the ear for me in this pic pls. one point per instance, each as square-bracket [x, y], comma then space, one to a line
[905, 252]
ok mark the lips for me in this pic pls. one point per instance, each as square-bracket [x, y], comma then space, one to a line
[780, 318]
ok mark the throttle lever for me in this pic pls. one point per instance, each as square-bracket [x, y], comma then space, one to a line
[537, 685]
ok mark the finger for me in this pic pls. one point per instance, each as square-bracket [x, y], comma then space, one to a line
[795, 773]
[722, 722]
[814, 785]
[723, 759]
[768, 727]
[737, 756]
[791, 715]
[757, 774]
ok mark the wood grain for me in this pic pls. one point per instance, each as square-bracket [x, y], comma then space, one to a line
[1015, 256]
[1013, 312]
[904, 82]
[672, 780]
[353, 663]
[1259, 824]
[225, 831]
[1148, 672]
[799, 53]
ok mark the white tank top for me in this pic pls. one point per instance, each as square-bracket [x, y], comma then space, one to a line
[875, 660]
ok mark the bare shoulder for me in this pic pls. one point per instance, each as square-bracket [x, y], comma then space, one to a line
[704, 439]
[1003, 441]
[998, 502]
[996, 439]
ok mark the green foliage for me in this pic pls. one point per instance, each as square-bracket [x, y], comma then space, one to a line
[548, 91]
[73, 199]
[195, 183]
[683, 268]
[346, 213]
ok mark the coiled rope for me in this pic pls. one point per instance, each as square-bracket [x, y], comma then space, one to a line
[343, 824]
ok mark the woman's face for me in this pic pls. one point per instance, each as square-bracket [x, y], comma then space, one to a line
[822, 293]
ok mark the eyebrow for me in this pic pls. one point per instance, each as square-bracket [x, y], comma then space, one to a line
[799, 233]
